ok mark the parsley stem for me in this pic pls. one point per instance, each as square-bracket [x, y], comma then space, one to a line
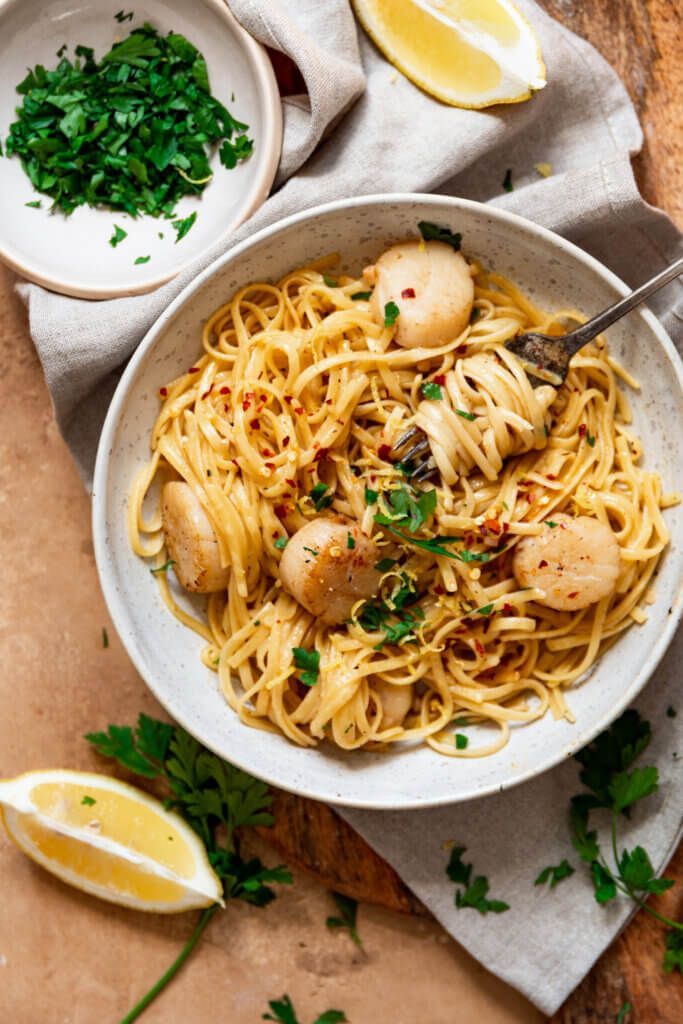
[163, 981]
[639, 902]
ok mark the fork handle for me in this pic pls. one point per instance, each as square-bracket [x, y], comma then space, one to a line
[586, 332]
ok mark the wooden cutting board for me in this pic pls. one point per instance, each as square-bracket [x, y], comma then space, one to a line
[641, 39]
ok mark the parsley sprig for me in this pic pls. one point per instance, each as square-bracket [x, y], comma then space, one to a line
[407, 510]
[348, 913]
[130, 132]
[398, 615]
[613, 785]
[474, 893]
[215, 799]
[283, 1012]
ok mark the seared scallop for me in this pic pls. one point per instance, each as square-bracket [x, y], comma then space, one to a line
[396, 702]
[575, 562]
[191, 540]
[432, 286]
[327, 566]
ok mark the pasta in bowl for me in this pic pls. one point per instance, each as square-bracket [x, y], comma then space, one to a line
[349, 601]
[417, 620]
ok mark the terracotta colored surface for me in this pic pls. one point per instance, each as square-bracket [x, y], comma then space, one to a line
[67, 958]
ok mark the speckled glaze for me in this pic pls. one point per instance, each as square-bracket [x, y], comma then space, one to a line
[555, 274]
[72, 254]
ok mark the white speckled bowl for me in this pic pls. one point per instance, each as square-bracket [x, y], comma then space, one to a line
[72, 254]
[555, 274]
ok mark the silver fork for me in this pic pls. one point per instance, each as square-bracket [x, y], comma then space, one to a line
[545, 360]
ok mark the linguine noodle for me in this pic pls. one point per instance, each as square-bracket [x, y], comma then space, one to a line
[299, 385]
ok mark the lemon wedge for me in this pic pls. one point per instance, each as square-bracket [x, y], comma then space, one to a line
[109, 839]
[468, 53]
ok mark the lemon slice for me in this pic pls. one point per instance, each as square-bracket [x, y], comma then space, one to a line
[469, 53]
[109, 839]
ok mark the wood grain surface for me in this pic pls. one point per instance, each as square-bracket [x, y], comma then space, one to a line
[642, 40]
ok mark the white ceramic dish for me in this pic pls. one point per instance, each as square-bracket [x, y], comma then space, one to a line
[556, 274]
[72, 254]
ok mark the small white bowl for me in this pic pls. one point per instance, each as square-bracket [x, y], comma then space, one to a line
[556, 274]
[72, 254]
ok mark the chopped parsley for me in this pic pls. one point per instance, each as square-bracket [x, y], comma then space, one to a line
[371, 496]
[329, 281]
[35, 204]
[551, 524]
[474, 893]
[485, 609]
[350, 541]
[118, 236]
[183, 226]
[311, 551]
[105, 637]
[162, 568]
[320, 498]
[309, 662]
[361, 295]
[393, 615]
[461, 741]
[132, 131]
[142, 259]
[435, 233]
[286, 1014]
[407, 507]
[431, 390]
[624, 1011]
[385, 564]
[555, 874]
[88, 801]
[466, 415]
[391, 312]
[281, 543]
[121, 16]
[671, 711]
[590, 440]
[507, 181]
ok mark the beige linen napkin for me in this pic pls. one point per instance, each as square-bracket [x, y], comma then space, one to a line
[364, 128]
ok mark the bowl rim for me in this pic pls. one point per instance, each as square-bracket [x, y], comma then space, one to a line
[270, 148]
[105, 453]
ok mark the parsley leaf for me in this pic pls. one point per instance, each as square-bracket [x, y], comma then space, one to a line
[162, 568]
[329, 281]
[348, 910]
[623, 1013]
[88, 801]
[281, 543]
[118, 236]
[183, 226]
[475, 892]
[461, 741]
[431, 390]
[320, 498]
[35, 203]
[285, 1014]
[673, 955]
[350, 541]
[361, 295]
[466, 415]
[385, 564]
[309, 661]
[555, 874]
[142, 259]
[391, 314]
[507, 181]
[637, 872]
[434, 233]
[371, 496]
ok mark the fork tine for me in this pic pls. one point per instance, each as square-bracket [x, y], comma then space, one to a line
[418, 449]
[425, 470]
[404, 439]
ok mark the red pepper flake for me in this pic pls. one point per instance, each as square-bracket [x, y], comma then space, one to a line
[276, 534]
[299, 410]
[206, 394]
[574, 593]
[479, 648]
[461, 350]
[225, 391]
[288, 399]
[245, 404]
[384, 452]
[320, 454]
[551, 476]
[438, 589]
[542, 564]
[266, 453]
[408, 293]
[328, 401]
[582, 429]
[226, 409]
[280, 511]
[193, 369]
[440, 379]
[285, 441]
[235, 463]
[508, 608]
[163, 392]
[493, 525]
[254, 423]
[291, 482]
[269, 465]
[506, 527]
